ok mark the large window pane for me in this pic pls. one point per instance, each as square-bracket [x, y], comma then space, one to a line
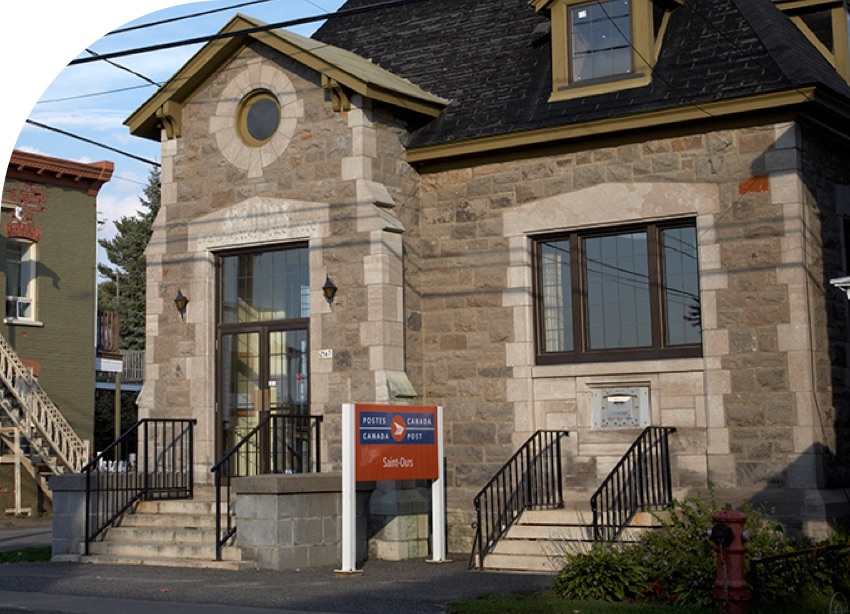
[681, 281]
[600, 40]
[557, 296]
[632, 293]
[618, 301]
[264, 286]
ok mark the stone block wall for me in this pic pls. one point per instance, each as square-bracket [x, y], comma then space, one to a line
[743, 411]
[294, 521]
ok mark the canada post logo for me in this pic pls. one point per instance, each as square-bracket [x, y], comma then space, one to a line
[381, 428]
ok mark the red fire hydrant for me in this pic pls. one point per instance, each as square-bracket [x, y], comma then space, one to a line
[730, 587]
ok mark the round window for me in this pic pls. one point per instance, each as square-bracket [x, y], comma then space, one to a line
[259, 118]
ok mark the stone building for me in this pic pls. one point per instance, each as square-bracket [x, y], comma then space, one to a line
[531, 211]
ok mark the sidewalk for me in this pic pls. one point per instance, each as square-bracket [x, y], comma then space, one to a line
[25, 532]
[414, 587]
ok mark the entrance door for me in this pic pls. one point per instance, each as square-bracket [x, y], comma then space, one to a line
[262, 356]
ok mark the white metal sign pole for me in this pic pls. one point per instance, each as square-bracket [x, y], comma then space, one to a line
[438, 498]
[349, 492]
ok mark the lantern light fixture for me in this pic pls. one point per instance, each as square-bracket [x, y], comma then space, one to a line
[329, 290]
[180, 301]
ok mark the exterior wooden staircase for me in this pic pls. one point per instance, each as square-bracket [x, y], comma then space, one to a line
[32, 429]
[168, 533]
[526, 524]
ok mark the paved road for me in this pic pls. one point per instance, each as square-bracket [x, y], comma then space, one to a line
[409, 587]
[414, 587]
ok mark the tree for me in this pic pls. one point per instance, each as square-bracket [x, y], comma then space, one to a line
[124, 288]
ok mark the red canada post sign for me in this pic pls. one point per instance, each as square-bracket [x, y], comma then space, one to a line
[395, 442]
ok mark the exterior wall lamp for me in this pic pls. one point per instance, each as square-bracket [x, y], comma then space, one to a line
[329, 290]
[180, 302]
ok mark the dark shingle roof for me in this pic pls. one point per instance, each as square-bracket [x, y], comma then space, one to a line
[492, 59]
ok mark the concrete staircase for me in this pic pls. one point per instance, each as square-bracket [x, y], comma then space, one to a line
[540, 539]
[177, 533]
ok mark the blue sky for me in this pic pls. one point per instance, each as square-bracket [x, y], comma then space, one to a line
[48, 91]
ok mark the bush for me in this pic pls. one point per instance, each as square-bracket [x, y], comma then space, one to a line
[677, 564]
[604, 573]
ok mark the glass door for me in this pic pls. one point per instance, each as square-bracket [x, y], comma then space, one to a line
[263, 318]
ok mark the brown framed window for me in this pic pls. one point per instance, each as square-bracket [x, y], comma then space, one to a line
[628, 293]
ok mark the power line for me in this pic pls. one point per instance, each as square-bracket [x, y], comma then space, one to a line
[189, 16]
[93, 94]
[253, 30]
[124, 68]
[91, 142]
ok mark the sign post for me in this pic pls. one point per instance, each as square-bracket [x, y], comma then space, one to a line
[391, 442]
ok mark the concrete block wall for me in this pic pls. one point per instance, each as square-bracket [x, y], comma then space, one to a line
[294, 521]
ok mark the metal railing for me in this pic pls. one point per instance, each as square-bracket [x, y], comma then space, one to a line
[531, 479]
[49, 434]
[154, 459]
[640, 481]
[786, 569]
[280, 443]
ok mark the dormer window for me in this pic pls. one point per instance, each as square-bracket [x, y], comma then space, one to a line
[600, 39]
[826, 23]
[603, 45]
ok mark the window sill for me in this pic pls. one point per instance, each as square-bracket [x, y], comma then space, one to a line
[624, 368]
[17, 322]
[580, 90]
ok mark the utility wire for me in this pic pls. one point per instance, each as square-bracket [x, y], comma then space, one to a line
[254, 30]
[93, 94]
[91, 142]
[161, 22]
[124, 68]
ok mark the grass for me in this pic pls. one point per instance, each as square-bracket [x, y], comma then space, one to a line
[26, 555]
[547, 603]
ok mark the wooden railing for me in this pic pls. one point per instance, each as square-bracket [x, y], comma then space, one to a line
[108, 334]
[48, 432]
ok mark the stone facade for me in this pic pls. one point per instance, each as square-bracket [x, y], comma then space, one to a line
[436, 301]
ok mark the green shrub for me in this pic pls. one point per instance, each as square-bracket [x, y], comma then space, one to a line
[604, 573]
[677, 564]
[678, 558]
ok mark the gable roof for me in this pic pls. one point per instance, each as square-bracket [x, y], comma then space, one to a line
[492, 59]
[338, 65]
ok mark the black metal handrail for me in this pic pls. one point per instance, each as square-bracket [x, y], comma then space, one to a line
[280, 443]
[640, 481]
[154, 459]
[531, 479]
[795, 574]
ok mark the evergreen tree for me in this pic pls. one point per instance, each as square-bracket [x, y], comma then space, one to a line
[124, 288]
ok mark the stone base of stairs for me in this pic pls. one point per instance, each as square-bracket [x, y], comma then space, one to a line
[540, 540]
[178, 533]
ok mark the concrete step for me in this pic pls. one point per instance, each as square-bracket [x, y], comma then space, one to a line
[549, 532]
[510, 562]
[162, 535]
[201, 521]
[178, 506]
[166, 562]
[157, 551]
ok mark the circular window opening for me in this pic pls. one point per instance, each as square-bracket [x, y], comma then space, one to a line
[259, 118]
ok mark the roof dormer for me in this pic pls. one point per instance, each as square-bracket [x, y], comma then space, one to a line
[826, 23]
[600, 46]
